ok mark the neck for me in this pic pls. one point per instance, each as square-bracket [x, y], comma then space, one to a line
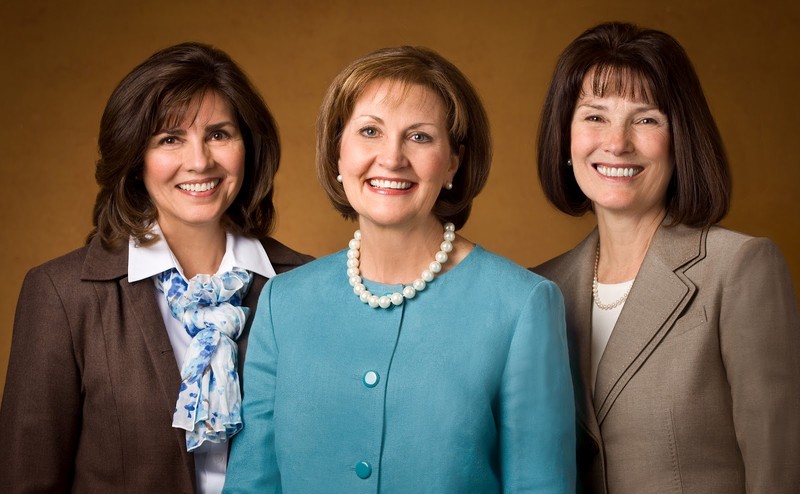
[198, 250]
[398, 255]
[624, 241]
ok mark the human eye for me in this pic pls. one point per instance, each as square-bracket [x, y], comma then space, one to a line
[593, 118]
[219, 135]
[168, 140]
[368, 131]
[652, 116]
[420, 137]
[655, 120]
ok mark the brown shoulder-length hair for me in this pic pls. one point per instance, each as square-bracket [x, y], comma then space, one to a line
[160, 92]
[641, 64]
[466, 119]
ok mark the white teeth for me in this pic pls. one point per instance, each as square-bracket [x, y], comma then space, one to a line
[608, 171]
[389, 184]
[201, 187]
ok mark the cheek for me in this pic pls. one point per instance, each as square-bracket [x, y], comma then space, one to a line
[234, 159]
[658, 143]
[434, 164]
[580, 142]
[155, 171]
[239, 169]
[351, 159]
[581, 176]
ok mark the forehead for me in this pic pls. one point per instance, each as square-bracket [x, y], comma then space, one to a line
[625, 82]
[182, 110]
[393, 95]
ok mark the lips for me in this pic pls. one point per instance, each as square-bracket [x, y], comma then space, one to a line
[618, 171]
[378, 183]
[199, 186]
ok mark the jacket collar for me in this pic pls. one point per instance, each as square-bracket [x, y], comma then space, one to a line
[658, 296]
[101, 264]
[105, 265]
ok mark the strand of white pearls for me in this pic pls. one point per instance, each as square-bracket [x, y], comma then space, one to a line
[596, 291]
[409, 291]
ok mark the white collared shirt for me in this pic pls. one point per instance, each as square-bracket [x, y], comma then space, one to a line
[210, 459]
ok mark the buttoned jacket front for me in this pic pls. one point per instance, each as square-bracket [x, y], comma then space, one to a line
[94, 413]
[464, 388]
[699, 386]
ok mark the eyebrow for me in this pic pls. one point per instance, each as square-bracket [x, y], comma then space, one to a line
[597, 106]
[208, 128]
[380, 121]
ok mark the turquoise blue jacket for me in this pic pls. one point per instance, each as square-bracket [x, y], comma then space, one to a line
[464, 388]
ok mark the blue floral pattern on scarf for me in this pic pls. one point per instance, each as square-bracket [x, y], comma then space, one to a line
[209, 307]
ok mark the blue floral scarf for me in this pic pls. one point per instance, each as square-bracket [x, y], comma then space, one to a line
[209, 307]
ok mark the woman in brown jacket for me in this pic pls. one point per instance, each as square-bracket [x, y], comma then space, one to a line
[125, 359]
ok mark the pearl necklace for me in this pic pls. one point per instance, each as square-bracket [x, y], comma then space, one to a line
[595, 292]
[409, 291]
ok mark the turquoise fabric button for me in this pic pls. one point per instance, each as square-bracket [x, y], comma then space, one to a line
[371, 379]
[363, 469]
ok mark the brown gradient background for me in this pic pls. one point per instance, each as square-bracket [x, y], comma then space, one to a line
[61, 60]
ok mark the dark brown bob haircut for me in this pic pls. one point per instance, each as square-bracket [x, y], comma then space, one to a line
[466, 119]
[159, 93]
[643, 65]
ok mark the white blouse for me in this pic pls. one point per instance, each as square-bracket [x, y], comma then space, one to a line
[210, 459]
[603, 321]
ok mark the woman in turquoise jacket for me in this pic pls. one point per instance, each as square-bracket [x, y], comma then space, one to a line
[414, 360]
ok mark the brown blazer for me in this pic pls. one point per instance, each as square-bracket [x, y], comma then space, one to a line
[92, 380]
[698, 389]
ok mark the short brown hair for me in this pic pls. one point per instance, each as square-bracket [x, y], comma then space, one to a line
[160, 91]
[468, 125]
[647, 64]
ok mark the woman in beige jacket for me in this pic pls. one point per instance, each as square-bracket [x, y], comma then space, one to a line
[684, 336]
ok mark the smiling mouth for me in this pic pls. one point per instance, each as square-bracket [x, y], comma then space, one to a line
[614, 171]
[199, 187]
[389, 184]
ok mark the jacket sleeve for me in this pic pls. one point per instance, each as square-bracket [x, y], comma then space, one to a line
[537, 408]
[253, 466]
[760, 343]
[42, 401]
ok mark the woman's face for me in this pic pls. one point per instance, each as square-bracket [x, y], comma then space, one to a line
[395, 154]
[193, 172]
[621, 153]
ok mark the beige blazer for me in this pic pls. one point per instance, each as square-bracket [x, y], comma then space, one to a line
[92, 380]
[699, 387]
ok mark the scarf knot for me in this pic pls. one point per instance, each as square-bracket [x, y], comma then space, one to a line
[209, 307]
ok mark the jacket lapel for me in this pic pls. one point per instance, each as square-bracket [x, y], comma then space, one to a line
[105, 265]
[659, 294]
[577, 288]
[142, 314]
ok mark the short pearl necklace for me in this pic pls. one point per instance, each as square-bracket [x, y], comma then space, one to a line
[595, 292]
[409, 291]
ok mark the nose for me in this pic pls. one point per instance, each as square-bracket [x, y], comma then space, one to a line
[198, 155]
[392, 154]
[618, 140]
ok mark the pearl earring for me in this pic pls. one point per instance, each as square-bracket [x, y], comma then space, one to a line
[569, 162]
[448, 186]
[339, 178]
